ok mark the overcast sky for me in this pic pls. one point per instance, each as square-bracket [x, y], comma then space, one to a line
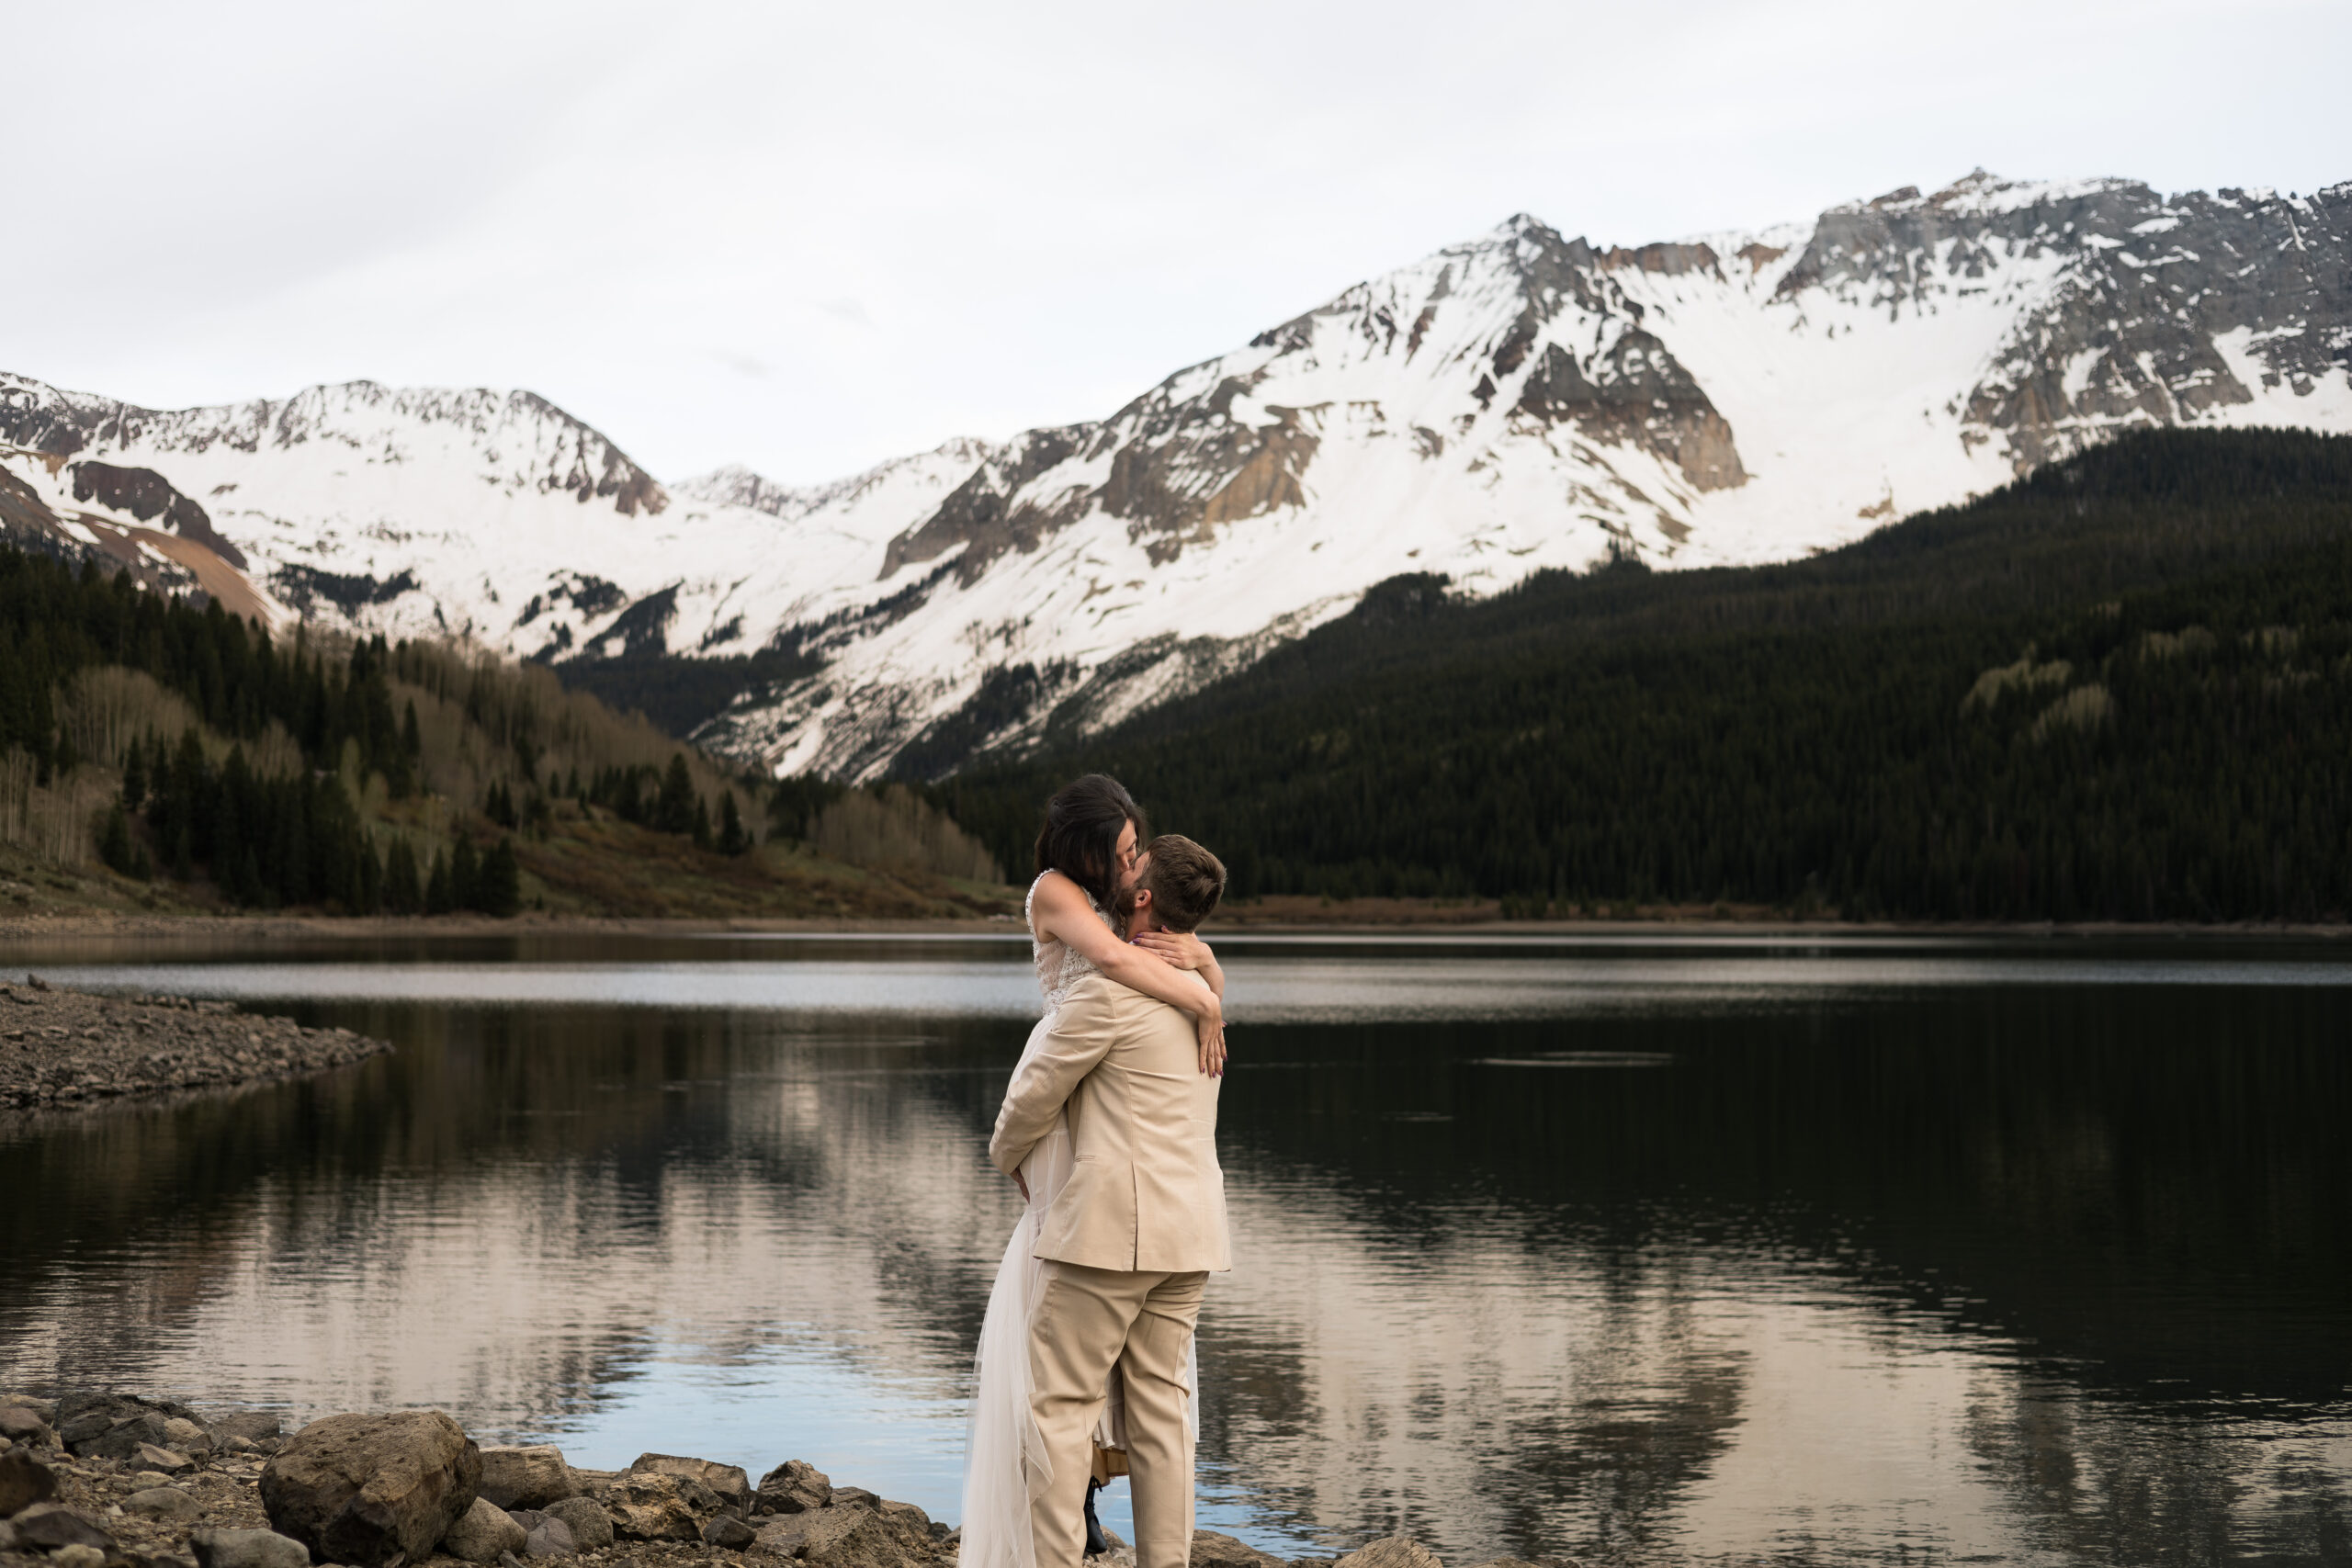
[812, 237]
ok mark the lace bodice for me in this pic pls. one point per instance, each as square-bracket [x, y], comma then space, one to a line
[1059, 965]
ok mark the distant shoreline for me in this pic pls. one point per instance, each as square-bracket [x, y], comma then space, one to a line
[32, 931]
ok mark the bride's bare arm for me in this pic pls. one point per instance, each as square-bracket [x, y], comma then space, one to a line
[1182, 949]
[1061, 912]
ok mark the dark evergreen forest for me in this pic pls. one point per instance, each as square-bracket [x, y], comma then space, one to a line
[2118, 689]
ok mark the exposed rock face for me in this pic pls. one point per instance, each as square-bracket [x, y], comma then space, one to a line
[525, 1477]
[364, 1489]
[148, 495]
[483, 1531]
[795, 1486]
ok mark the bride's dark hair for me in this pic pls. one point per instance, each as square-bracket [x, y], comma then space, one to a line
[1080, 838]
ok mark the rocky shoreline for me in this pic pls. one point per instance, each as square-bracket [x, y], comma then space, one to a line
[67, 1049]
[116, 1480]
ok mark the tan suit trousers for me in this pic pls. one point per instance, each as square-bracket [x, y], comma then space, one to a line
[1086, 1322]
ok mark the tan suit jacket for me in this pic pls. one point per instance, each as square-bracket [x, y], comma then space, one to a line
[1146, 1192]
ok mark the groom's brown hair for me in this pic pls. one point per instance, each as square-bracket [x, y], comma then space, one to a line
[1186, 881]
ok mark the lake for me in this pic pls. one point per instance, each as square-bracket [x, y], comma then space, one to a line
[1837, 1251]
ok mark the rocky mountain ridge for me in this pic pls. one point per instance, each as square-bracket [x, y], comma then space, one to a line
[1520, 401]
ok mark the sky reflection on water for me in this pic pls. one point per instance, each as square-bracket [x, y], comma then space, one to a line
[1899, 1256]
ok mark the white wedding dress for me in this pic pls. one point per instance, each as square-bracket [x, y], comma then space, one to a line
[1004, 1454]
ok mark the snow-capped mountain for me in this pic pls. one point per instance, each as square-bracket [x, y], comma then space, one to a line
[1518, 401]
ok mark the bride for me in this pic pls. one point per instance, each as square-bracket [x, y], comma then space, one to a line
[1089, 856]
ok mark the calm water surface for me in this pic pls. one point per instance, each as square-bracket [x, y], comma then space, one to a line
[1884, 1251]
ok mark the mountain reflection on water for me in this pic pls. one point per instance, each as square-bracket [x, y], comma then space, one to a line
[1905, 1253]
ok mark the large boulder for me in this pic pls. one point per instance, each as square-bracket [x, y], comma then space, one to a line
[650, 1506]
[483, 1531]
[732, 1487]
[1212, 1549]
[24, 1481]
[592, 1528]
[794, 1487]
[1391, 1551]
[248, 1549]
[364, 1489]
[529, 1476]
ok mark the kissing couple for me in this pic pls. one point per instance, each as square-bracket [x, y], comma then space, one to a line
[1086, 1369]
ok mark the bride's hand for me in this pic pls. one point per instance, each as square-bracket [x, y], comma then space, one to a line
[1022, 1182]
[1180, 950]
[1211, 1027]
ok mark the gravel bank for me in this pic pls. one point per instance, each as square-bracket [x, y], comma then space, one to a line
[63, 1048]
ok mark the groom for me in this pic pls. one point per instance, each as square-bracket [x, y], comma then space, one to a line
[1131, 1241]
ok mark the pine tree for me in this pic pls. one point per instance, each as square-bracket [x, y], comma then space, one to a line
[673, 812]
[702, 823]
[732, 840]
[411, 740]
[401, 894]
[438, 898]
[500, 892]
[465, 875]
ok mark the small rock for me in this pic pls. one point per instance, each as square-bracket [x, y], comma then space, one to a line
[525, 1476]
[257, 1429]
[552, 1537]
[168, 1460]
[650, 1506]
[147, 1478]
[184, 1436]
[364, 1489]
[167, 1502]
[854, 1498]
[906, 1512]
[482, 1532]
[508, 1559]
[590, 1527]
[939, 1533]
[1213, 1548]
[24, 1481]
[45, 1526]
[729, 1531]
[728, 1481]
[248, 1549]
[20, 1424]
[45, 1410]
[795, 1486]
[78, 1557]
[527, 1517]
[795, 1535]
[1392, 1551]
[7, 1536]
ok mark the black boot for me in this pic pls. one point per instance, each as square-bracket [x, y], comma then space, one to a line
[1095, 1545]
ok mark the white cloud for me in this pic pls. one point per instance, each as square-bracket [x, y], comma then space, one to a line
[933, 220]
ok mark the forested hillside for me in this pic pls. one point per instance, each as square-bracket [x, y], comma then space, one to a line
[2119, 688]
[201, 762]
